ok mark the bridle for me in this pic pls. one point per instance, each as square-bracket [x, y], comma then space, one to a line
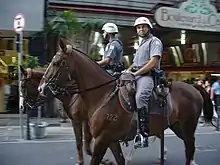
[56, 89]
[29, 100]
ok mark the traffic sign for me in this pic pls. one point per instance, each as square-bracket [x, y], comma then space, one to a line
[19, 22]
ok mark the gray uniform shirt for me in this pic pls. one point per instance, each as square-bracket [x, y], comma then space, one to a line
[114, 51]
[150, 47]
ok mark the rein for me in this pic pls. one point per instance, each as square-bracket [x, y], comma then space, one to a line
[62, 90]
[95, 87]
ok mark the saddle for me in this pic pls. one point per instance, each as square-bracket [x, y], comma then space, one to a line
[127, 89]
[126, 94]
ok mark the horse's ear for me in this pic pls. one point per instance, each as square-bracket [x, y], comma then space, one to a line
[23, 71]
[63, 46]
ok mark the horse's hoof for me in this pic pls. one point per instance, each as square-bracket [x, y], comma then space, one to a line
[165, 155]
[193, 163]
[128, 158]
[106, 162]
[127, 161]
[79, 163]
[89, 152]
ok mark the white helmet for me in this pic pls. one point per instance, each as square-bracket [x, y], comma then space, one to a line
[143, 20]
[110, 28]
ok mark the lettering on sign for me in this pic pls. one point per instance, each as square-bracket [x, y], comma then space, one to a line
[111, 117]
[19, 23]
[192, 14]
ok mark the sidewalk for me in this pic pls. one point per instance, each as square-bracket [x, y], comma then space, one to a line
[13, 120]
[10, 129]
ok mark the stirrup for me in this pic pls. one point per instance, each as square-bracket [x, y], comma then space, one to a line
[140, 141]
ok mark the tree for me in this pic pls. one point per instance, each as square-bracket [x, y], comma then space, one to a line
[62, 24]
[58, 24]
[89, 28]
[65, 24]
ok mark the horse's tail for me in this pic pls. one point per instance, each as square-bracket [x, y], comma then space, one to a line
[207, 106]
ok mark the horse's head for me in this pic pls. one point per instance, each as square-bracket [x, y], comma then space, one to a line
[57, 75]
[29, 83]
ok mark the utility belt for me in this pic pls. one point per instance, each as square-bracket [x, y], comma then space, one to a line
[136, 68]
[156, 74]
[115, 67]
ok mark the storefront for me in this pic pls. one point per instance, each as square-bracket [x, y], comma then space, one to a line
[34, 20]
[192, 46]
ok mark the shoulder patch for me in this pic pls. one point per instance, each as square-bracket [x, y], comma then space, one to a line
[111, 47]
[157, 42]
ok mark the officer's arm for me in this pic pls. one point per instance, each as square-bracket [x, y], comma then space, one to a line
[149, 66]
[104, 61]
[155, 54]
[111, 53]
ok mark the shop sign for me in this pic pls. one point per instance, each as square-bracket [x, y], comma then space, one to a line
[192, 14]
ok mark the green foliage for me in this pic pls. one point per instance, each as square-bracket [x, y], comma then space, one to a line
[31, 62]
[92, 25]
[95, 55]
[61, 24]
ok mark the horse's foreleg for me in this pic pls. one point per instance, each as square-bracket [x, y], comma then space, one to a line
[88, 138]
[190, 150]
[100, 148]
[77, 127]
[117, 152]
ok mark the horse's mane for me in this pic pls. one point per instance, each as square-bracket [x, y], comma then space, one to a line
[85, 56]
[36, 73]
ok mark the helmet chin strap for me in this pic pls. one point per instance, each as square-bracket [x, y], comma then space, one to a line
[145, 35]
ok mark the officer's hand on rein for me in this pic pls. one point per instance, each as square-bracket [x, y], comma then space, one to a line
[128, 71]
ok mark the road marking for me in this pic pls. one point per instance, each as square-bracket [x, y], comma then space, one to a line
[208, 150]
[21, 141]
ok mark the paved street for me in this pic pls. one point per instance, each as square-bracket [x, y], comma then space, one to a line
[59, 148]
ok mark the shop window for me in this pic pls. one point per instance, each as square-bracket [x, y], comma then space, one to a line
[10, 45]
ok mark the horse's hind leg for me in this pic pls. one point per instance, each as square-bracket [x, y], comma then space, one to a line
[117, 152]
[188, 132]
[88, 138]
[190, 150]
[77, 127]
[99, 151]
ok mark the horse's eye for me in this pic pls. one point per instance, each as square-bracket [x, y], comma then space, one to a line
[55, 63]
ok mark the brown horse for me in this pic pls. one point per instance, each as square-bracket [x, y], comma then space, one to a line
[74, 108]
[109, 122]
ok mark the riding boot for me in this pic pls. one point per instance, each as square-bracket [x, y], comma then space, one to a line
[143, 118]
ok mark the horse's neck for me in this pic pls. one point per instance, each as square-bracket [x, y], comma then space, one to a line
[89, 76]
[64, 99]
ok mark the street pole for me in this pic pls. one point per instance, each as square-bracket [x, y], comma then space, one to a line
[20, 48]
[218, 123]
[19, 23]
[218, 111]
[162, 106]
[28, 136]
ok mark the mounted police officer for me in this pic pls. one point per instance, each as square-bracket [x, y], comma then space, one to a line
[147, 59]
[113, 54]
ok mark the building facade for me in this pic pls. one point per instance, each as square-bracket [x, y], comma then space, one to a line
[197, 54]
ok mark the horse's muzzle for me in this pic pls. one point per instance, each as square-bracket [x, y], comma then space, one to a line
[41, 89]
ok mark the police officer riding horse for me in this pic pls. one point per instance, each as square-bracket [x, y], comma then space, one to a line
[113, 54]
[145, 67]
